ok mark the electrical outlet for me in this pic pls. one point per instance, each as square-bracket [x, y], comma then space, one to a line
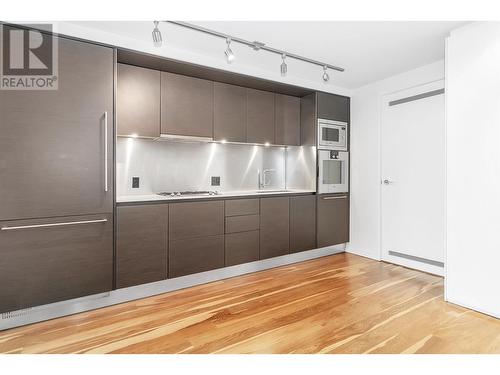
[135, 182]
[215, 180]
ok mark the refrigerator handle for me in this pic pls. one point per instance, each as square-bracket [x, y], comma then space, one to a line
[55, 224]
[105, 151]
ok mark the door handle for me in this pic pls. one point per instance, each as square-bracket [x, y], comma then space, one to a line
[387, 182]
[55, 224]
[329, 198]
[105, 151]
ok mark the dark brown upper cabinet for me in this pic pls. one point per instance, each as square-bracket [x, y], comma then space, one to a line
[186, 106]
[302, 223]
[333, 107]
[52, 145]
[308, 120]
[260, 116]
[138, 101]
[230, 105]
[141, 244]
[274, 227]
[333, 219]
[287, 120]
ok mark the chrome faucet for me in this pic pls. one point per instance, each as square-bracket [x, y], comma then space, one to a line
[263, 180]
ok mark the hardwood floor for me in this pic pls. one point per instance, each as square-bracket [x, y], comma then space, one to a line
[336, 304]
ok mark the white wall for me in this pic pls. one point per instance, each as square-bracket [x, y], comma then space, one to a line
[473, 167]
[198, 48]
[365, 154]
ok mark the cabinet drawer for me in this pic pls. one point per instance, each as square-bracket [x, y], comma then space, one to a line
[242, 207]
[195, 255]
[242, 223]
[41, 263]
[196, 219]
[242, 248]
[141, 244]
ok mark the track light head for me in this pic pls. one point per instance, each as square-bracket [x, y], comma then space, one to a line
[157, 39]
[283, 67]
[228, 52]
[326, 77]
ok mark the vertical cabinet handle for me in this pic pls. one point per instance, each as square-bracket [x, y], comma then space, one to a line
[105, 151]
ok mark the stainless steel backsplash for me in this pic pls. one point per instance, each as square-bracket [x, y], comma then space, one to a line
[178, 166]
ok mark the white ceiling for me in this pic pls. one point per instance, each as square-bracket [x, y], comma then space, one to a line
[369, 51]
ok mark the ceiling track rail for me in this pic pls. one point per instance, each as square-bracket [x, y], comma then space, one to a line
[255, 45]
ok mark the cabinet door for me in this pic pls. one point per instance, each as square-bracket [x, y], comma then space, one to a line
[193, 255]
[287, 120]
[274, 227]
[333, 107]
[138, 101]
[333, 220]
[302, 223]
[308, 120]
[242, 223]
[260, 116]
[141, 244]
[230, 105]
[41, 263]
[196, 219]
[241, 247]
[52, 150]
[186, 105]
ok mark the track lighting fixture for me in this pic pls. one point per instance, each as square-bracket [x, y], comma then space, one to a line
[326, 77]
[157, 39]
[257, 46]
[283, 67]
[229, 53]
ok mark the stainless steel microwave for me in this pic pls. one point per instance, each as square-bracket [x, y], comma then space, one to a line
[333, 168]
[332, 135]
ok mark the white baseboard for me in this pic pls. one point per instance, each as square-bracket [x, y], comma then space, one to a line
[470, 307]
[96, 301]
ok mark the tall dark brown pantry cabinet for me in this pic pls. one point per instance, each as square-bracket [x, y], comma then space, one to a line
[56, 183]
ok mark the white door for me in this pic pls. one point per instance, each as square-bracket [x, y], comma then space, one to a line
[413, 177]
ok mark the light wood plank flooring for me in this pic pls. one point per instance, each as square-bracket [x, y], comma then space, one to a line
[336, 304]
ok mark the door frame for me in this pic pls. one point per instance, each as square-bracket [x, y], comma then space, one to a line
[384, 255]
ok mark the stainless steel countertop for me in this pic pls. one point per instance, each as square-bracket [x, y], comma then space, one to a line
[221, 195]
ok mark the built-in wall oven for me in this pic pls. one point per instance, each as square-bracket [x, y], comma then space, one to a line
[332, 135]
[333, 168]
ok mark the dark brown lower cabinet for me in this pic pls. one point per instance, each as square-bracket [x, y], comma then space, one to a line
[42, 263]
[274, 227]
[333, 219]
[302, 223]
[193, 255]
[141, 244]
[241, 247]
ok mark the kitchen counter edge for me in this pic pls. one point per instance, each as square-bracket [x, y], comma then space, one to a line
[160, 200]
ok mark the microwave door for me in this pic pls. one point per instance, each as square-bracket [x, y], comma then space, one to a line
[330, 134]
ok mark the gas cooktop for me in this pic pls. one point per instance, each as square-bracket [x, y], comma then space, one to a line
[192, 193]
